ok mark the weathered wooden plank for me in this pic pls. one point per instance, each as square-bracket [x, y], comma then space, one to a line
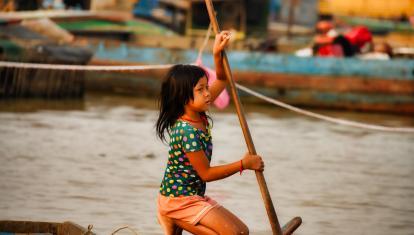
[326, 83]
[28, 227]
[8, 227]
[70, 228]
[403, 104]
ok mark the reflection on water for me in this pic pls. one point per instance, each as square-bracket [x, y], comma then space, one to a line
[98, 162]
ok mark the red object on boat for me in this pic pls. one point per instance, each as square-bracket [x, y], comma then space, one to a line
[359, 36]
[330, 50]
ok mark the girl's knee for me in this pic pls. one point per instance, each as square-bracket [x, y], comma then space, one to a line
[242, 230]
[237, 230]
[167, 224]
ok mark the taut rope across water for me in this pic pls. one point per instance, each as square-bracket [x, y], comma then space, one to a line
[82, 67]
[324, 117]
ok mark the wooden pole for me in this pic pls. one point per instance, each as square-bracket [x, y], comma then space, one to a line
[271, 213]
[291, 226]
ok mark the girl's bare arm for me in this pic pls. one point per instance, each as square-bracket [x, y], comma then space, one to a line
[207, 173]
[220, 43]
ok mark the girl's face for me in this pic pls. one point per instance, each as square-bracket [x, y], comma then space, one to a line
[202, 98]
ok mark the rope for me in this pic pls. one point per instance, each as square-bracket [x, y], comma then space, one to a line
[206, 38]
[82, 67]
[326, 118]
[125, 227]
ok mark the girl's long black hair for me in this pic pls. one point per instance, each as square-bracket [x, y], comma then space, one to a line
[176, 91]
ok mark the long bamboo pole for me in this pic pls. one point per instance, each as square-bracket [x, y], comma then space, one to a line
[271, 213]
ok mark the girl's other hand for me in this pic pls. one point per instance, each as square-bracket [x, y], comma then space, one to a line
[253, 162]
[221, 41]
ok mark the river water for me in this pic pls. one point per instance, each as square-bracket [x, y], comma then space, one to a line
[97, 161]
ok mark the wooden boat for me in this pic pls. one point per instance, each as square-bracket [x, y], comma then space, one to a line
[50, 228]
[18, 43]
[351, 83]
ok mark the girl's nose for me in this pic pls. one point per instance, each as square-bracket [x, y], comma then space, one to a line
[207, 93]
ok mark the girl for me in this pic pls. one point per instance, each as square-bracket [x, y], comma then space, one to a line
[185, 98]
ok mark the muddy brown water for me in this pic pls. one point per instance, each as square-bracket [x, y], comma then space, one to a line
[98, 162]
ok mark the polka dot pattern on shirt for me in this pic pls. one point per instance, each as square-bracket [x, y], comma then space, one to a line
[180, 178]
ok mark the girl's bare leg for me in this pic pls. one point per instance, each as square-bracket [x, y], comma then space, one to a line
[168, 226]
[195, 229]
[217, 221]
[175, 227]
[223, 222]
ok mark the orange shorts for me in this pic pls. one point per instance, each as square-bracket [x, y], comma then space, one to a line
[190, 209]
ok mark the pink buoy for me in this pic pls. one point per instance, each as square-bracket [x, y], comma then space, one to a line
[222, 101]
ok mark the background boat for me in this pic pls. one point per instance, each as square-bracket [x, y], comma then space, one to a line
[342, 83]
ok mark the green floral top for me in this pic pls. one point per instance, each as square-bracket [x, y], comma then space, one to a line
[180, 178]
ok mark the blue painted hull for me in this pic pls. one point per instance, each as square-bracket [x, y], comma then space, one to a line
[400, 69]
